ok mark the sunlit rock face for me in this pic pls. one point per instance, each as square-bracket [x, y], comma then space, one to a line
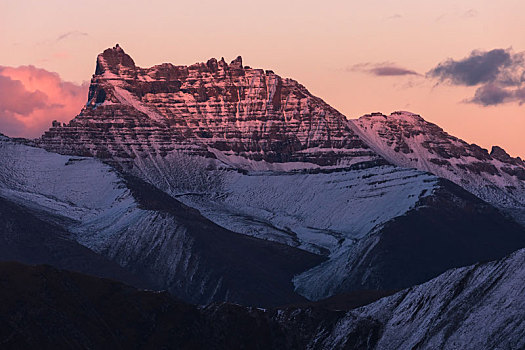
[213, 109]
[407, 140]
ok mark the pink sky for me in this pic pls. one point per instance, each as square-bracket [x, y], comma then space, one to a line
[359, 56]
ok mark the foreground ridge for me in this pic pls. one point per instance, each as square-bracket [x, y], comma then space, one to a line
[448, 312]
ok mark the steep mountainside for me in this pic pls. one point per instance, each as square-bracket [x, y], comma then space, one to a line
[26, 238]
[407, 140]
[450, 228]
[476, 307]
[143, 230]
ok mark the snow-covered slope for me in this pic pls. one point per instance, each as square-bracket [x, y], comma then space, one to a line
[320, 212]
[26, 237]
[407, 140]
[147, 232]
[476, 307]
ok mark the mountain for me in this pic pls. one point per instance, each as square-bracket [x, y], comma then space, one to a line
[242, 116]
[259, 155]
[474, 307]
[396, 228]
[82, 207]
[405, 139]
[27, 238]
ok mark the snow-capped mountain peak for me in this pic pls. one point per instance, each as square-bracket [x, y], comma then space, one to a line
[407, 140]
[259, 155]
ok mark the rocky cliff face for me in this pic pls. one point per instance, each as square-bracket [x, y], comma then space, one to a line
[213, 109]
[407, 140]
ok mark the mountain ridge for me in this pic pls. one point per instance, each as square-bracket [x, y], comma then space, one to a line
[262, 160]
[405, 139]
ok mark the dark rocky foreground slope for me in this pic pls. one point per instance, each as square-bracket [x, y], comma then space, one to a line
[47, 308]
[476, 307]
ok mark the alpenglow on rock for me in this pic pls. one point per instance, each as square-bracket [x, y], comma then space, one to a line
[213, 109]
[406, 139]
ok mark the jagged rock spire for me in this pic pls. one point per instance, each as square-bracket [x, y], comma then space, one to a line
[112, 60]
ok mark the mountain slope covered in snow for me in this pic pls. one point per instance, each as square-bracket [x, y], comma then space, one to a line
[147, 232]
[405, 139]
[475, 307]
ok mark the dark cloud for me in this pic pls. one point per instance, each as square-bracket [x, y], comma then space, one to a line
[70, 34]
[30, 98]
[479, 67]
[391, 70]
[519, 95]
[499, 75]
[491, 94]
[382, 69]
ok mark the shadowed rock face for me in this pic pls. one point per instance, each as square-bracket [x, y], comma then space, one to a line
[47, 308]
[474, 307]
[450, 229]
[139, 112]
[217, 264]
[26, 238]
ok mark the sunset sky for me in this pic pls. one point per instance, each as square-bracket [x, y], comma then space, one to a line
[459, 64]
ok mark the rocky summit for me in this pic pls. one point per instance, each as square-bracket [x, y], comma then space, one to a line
[213, 109]
[407, 140]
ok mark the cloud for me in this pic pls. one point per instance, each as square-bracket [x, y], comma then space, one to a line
[479, 67]
[391, 70]
[491, 94]
[382, 69]
[19, 101]
[30, 98]
[499, 75]
[70, 34]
